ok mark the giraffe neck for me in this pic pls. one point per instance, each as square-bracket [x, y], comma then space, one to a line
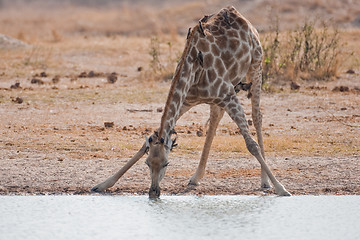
[170, 117]
[180, 85]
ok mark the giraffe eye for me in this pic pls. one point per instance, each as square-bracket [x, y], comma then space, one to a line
[150, 139]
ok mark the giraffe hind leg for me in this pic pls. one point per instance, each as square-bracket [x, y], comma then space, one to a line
[255, 76]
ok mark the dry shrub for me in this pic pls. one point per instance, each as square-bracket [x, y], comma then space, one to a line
[38, 57]
[307, 53]
[56, 37]
[162, 60]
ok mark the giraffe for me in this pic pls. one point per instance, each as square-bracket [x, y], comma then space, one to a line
[221, 51]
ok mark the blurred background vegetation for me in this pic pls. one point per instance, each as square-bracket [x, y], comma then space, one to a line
[302, 40]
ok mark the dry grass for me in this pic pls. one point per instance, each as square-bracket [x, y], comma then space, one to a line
[303, 144]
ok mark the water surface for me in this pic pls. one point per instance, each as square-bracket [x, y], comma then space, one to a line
[179, 217]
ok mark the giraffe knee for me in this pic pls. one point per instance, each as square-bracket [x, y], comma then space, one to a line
[253, 147]
[257, 119]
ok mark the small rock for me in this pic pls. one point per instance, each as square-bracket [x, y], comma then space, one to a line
[294, 86]
[56, 79]
[37, 81]
[343, 108]
[91, 74]
[112, 78]
[159, 109]
[341, 89]
[83, 75]
[15, 86]
[199, 133]
[109, 124]
[250, 122]
[350, 71]
[140, 69]
[43, 74]
[18, 100]
[344, 89]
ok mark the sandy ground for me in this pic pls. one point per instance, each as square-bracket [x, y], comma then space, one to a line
[55, 141]
[53, 138]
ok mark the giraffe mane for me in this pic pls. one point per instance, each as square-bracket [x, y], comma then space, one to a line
[176, 78]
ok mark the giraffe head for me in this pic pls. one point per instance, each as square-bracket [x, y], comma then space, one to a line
[157, 161]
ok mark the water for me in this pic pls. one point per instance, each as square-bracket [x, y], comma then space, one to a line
[179, 217]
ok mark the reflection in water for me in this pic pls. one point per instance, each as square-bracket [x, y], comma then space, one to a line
[179, 217]
[210, 216]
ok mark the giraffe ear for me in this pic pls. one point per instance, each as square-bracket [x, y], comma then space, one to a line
[172, 142]
[147, 145]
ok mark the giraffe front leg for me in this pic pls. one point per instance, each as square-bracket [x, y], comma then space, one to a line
[216, 113]
[233, 108]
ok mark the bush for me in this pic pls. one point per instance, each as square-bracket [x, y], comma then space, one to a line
[306, 53]
[161, 65]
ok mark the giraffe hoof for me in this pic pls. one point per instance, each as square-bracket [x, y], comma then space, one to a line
[99, 188]
[96, 189]
[283, 192]
[265, 185]
[193, 183]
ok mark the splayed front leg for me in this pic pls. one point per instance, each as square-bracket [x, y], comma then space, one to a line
[235, 111]
[265, 181]
[254, 149]
[113, 179]
[104, 185]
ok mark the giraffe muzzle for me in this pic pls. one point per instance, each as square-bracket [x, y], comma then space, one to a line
[154, 192]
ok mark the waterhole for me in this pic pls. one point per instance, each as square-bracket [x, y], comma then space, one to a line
[179, 217]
